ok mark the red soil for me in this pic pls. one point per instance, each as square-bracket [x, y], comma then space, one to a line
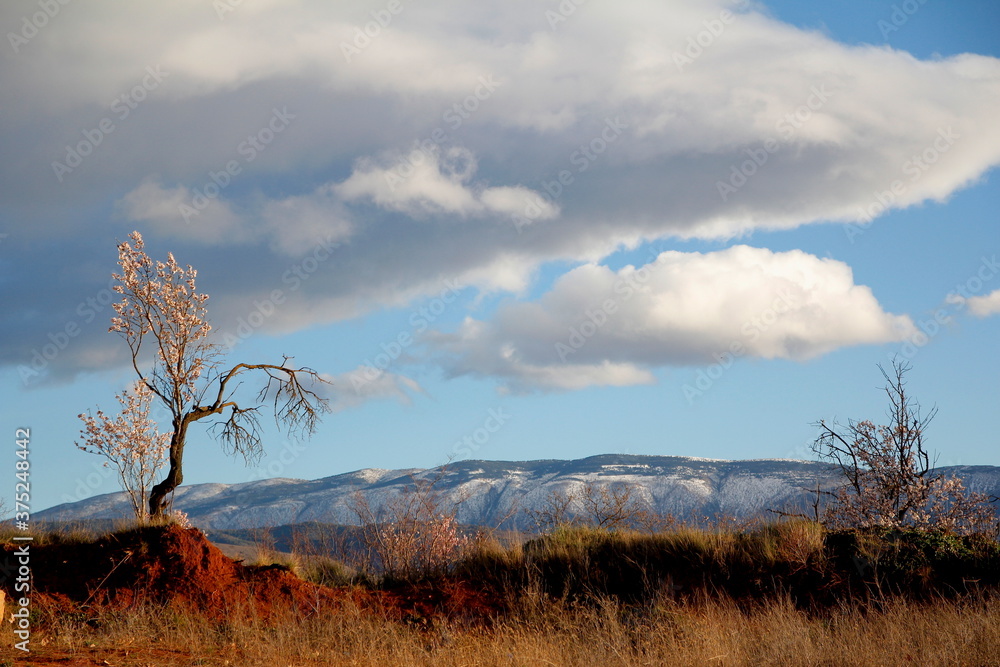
[168, 565]
[181, 568]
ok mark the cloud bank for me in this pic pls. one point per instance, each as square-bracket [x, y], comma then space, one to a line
[475, 144]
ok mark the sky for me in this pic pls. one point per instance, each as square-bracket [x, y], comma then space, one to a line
[509, 231]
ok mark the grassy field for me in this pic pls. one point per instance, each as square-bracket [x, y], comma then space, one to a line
[785, 594]
[541, 632]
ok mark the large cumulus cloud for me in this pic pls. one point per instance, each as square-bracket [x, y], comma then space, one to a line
[590, 129]
[602, 327]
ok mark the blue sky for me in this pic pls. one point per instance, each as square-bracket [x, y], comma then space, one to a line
[371, 226]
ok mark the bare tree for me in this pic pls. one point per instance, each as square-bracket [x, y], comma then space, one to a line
[890, 479]
[160, 307]
[609, 506]
[612, 505]
[557, 510]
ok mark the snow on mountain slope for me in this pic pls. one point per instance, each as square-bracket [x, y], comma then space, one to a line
[489, 491]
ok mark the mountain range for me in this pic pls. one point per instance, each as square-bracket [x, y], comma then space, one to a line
[491, 493]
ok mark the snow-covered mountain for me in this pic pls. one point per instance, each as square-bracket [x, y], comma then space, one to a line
[490, 491]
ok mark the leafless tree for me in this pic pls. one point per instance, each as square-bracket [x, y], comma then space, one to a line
[557, 510]
[161, 309]
[609, 506]
[890, 479]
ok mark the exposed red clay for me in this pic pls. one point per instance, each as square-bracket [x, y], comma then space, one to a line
[180, 568]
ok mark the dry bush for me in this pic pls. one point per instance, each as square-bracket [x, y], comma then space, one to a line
[798, 541]
[890, 479]
[324, 557]
[702, 626]
[266, 552]
[412, 535]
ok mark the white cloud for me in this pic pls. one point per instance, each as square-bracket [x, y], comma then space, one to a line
[434, 181]
[688, 125]
[365, 383]
[515, 200]
[521, 377]
[849, 123]
[598, 326]
[558, 87]
[295, 223]
[292, 225]
[986, 305]
[177, 212]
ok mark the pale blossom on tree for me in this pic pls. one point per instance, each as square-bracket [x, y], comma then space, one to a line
[162, 308]
[410, 535]
[890, 480]
[130, 443]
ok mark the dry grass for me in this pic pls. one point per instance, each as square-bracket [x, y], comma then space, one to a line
[544, 632]
[600, 624]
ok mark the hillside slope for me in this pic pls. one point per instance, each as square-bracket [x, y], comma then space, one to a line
[489, 491]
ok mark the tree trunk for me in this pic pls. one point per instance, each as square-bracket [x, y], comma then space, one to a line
[158, 496]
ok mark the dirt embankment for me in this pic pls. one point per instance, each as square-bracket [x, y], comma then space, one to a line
[179, 567]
